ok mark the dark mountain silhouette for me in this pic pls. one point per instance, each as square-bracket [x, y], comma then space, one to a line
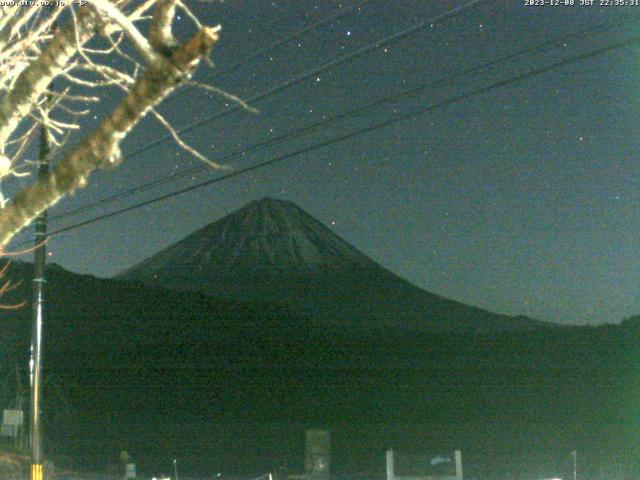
[228, 385]
[273, 251]
[227, 382]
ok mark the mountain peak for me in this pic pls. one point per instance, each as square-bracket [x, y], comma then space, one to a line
[271, 250]
[265, 236]
[269, 203]
[272, 201]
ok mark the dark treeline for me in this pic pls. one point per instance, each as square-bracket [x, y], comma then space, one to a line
[230, 386]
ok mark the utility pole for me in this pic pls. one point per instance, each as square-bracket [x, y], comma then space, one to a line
[574, 454]
[40, 252]
[19, 401]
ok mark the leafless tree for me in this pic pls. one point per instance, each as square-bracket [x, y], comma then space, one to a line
[75, 46]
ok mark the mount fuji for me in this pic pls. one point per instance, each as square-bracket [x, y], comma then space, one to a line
[273, 251]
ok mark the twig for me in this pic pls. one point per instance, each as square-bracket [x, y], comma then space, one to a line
[227, 95]
[183, 144]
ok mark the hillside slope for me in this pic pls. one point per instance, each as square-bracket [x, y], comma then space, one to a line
[273, 251]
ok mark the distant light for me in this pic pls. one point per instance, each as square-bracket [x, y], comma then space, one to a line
[348, 33]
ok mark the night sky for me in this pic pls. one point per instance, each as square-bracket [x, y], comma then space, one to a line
[520, 200]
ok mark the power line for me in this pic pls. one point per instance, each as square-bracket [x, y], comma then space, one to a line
[289, 38]
[412, 92]
[281, 41]
[359, 52]
[315, 71]
[377, 126]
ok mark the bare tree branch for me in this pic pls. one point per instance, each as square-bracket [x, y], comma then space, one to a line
[227, 95]
[101, 148]
[182, 144]
[160, 35]
[138, 40]
[35, 79]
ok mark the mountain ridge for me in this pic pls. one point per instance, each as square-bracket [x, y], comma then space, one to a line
[272, 250]
[147, 367]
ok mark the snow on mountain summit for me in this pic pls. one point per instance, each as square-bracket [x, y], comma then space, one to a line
[269, 234]
[273, 251]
